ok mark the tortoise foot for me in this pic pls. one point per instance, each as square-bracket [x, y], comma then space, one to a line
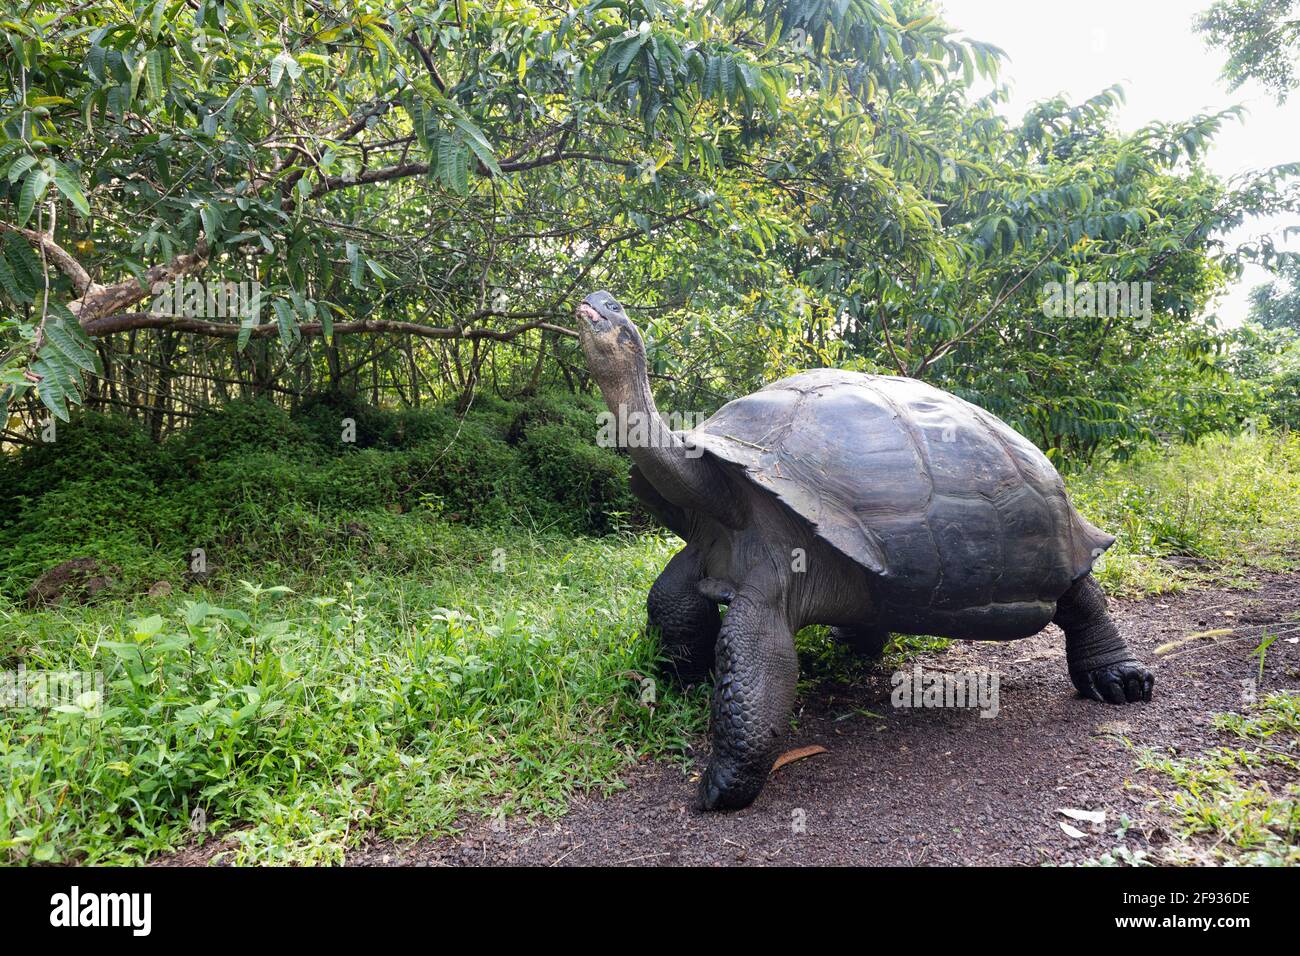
[1125, 682]
[725, 786]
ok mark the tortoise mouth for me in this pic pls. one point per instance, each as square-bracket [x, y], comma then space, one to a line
[591, 322]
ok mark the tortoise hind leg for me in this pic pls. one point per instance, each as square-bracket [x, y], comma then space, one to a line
[687, 621]
[864, 639]
[1101, 665]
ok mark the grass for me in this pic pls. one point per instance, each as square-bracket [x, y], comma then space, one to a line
[373, 703]
[372, 672]
[1195, 514]
[1238, 804]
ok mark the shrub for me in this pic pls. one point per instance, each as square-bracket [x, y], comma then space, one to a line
[124, 522]
[102, 447]
[589, 483]
[465, 470]
[235, 429]
[249, 481]
[322, 416]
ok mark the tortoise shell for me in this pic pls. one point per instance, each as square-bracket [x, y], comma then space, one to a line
[962, 522]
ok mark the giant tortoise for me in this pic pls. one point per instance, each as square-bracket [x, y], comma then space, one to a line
[875, 504]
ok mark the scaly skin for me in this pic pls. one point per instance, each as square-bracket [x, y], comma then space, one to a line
[753, 693]
[1101, 665]
[688, 622]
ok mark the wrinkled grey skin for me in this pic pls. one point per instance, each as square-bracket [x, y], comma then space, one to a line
[872, 504]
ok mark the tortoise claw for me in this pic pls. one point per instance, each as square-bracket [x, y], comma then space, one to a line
[1126, 682]
[718, 590]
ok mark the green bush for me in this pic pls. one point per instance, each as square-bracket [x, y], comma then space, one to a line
[576, 413]
[102, 447]
[235, 429]
[251, 481]
[322, 416]
[124, 523]
[589, 483]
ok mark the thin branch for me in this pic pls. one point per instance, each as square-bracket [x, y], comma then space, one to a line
[941, 350]
[127, 321]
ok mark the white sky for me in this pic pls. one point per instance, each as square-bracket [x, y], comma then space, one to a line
[1078, 49]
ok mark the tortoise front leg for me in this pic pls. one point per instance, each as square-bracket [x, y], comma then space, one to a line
[756, 669]
[687, 621]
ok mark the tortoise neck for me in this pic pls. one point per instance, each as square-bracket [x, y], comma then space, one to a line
[678, 470]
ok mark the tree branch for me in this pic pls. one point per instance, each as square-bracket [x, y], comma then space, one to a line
[127, 321]
[100, 300]
[384, 174]
[64, 260]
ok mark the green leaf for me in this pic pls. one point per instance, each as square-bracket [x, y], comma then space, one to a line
[9, 282]
[447, 148]
[284, 63]
[482, 149]
[245, 333]
[95, 62]
[155, 21]
[49, 391]
[70, 186]
[326, 312]
[154, 73]
[633, 47]
[27, 266]
[211, 218]
[33, 189]
[76, 349]
[287, 323]
[20, 166]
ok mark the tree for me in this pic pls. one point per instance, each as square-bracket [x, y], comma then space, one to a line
[423, 191]
[1262, 39]
[1276, 305]
[451, 171]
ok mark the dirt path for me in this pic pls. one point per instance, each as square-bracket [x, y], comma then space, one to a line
[937, 786]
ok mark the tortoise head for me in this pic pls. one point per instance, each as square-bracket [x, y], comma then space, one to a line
[613, 346]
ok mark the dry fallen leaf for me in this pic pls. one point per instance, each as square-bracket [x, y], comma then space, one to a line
[1071, 832]
[1087, 816]
[790, 756]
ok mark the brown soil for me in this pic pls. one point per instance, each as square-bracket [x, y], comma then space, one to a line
[931, 786]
